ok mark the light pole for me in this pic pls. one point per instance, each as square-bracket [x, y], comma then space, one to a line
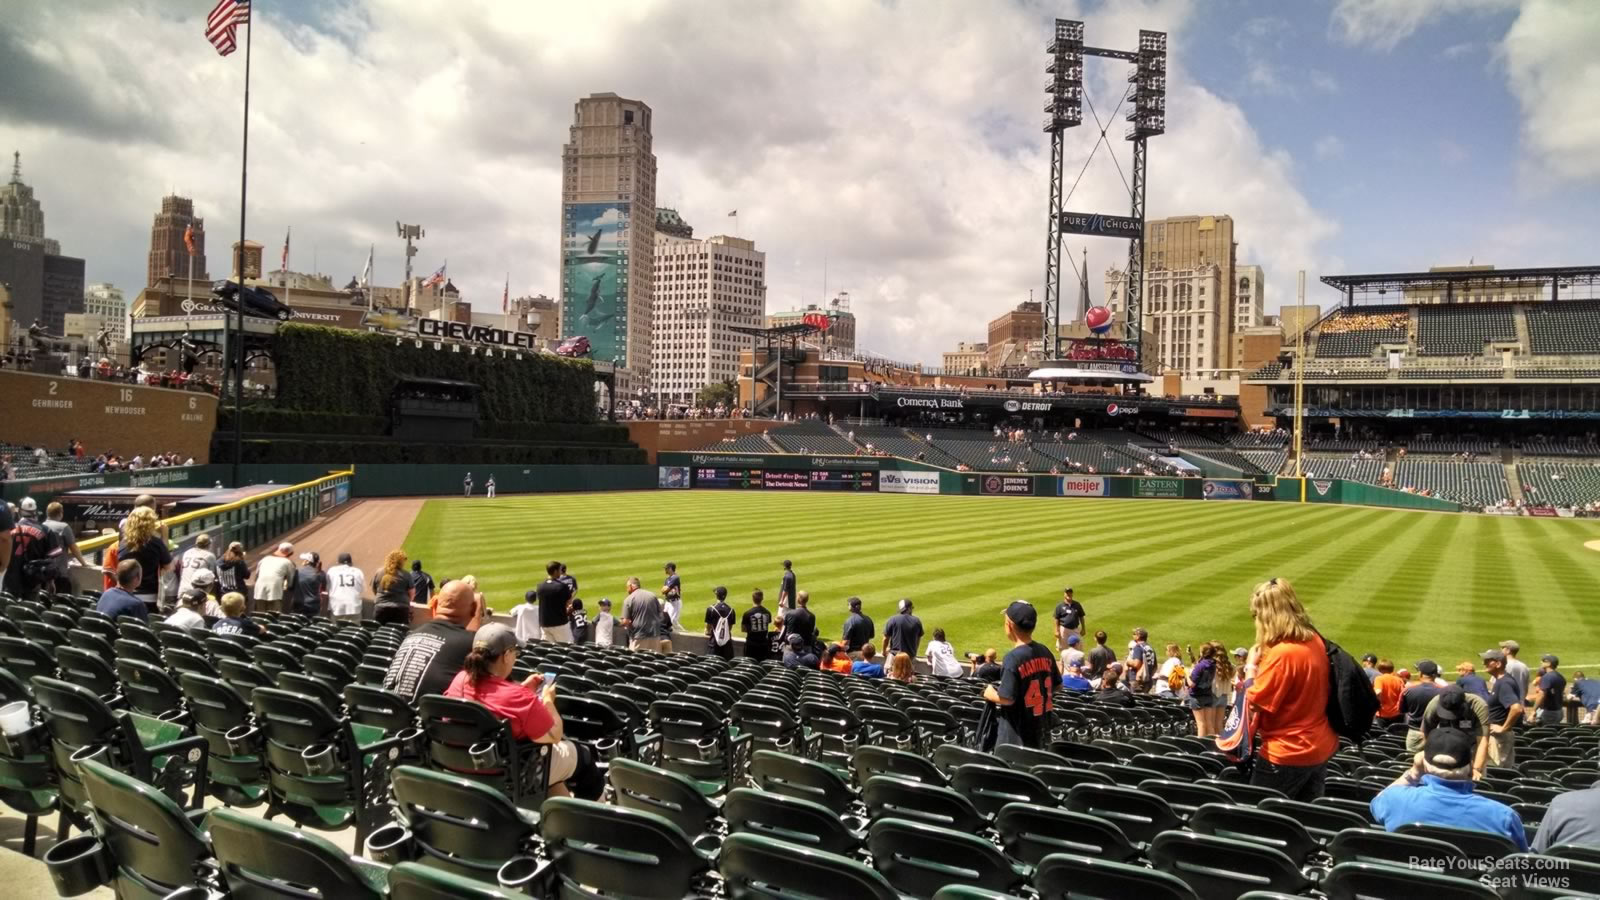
[410, 233]
[1300, 387]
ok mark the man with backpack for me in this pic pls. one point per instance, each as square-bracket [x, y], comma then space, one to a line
[33, 548]
[1141, 663]
[719, 625]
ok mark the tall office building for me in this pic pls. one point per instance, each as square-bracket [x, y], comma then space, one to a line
[169, 257]
[1249, 298]
[21, 216]
[608, 227]
[1188, 296]
[106, 301]
[45, 285]
[702, 289]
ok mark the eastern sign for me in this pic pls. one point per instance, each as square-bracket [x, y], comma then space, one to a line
[1101, 225]
[1169, 488]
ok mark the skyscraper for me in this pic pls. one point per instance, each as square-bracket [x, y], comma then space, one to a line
[44, 284]
[106, 302]
[608, 218]
[169, 258]
[703, 288]
[1187, 303]
[21, 216]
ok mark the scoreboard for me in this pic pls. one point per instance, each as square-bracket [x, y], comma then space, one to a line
[785, 479]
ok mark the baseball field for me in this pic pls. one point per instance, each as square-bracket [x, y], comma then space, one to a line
[1399, 583]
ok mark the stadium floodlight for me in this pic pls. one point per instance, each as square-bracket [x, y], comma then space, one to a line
[1149, 80]
[1065, 87]
[410, 233]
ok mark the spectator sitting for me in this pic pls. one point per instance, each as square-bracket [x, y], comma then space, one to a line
[532, 716]
[867, 666]
[1072, 680]
[233, 620]
[1111, 689]
[189, 615]
[430, 656]
[796, 655]
[988, 669]
[120, 600]
[835, 659]
[900, 668]
[942, 657]
[1573, 817]
[1437, 790]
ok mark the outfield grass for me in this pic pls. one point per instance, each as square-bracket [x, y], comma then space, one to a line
[1398, 583]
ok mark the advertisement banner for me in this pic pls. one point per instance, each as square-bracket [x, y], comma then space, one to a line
[341, 493]
[1263, 491]
[1081, 486]
[1544, 512]
[673, 477]
[1215, 489]
[594, 277]
[1321, 486]
[894, 482]
[1005, 484]
[1171, 488]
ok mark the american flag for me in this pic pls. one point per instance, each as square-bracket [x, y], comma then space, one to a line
[221, 25]
[435, 278]
[285, 264]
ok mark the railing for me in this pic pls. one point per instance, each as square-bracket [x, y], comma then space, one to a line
[252, 521]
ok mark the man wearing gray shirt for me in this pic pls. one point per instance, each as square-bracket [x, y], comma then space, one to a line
[641, 615]
[1516, 669]
[1573, 818]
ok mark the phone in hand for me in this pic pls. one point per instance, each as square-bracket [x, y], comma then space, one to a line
[549, 678]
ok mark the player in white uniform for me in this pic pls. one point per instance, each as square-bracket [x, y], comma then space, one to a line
[489, 486]
[345, 583]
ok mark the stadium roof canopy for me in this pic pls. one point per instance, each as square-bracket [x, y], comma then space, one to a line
[1448, 279]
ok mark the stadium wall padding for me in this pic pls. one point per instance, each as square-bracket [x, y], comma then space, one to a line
[331, 370]
[379, 480]
[1372, 495]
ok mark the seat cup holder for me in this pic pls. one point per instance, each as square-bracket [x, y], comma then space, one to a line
[243, 740]
[485, 755]
[520, 873]
[97, 752]
[78, 865]
[320, 759]
[411, 741]
[391, 844]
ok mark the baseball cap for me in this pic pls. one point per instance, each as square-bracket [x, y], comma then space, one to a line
[192, 595]
[494, 639]
[202, 577]
[1511, 646]
[904, 604]
[28, 504]
[1240, 651]
[1022, 614]
[1369, 657]
[306, 557]
[1448, 748]
[1551, 658]
[1495, 655]
[605, 602]
[1067, 589]
[1428, 668]
[796, 640]
[285, 547]
[1073, 640]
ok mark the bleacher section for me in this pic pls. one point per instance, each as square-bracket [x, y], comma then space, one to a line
[1463, 330]
[1259, 439]
[25, 465]
[750, 443]
[1560, 482]
[1327, 465]
[1268, 461]
[812, 437]
[1357, 332]
[1474, 483]
[1564, 327]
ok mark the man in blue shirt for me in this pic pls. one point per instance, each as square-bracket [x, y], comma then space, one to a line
[1470, 681]
[1072, 679]
[1437, 790]
[1550, 691]
[1587, 692]
[120, 601]
[867, 666]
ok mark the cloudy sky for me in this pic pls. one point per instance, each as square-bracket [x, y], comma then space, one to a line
[897, 142]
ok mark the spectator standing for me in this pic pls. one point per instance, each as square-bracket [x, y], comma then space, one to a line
[1169, 678]
[422, 586]
[641, 616]
[432, 654]
[9, 522]
[1437, 790]
[121, 600]
[1550, 691]
[63, 538]
[1587, 692]
[233, 571]
[868, 665]
[1516, 668]
[568, 580]
[1468, 679]
[1415, 701]
[275, 577]
[1074, 655]
[188, 615]
[786, 587]
[196, 559]
[33, 553]
[903, 632]
[756, 625]
[310, 586]
[1388, 686]
[1469, 713]
[801, 620]
[942, 660]
[578, 621]
[525, 617]
[345, 582]
[142, 540]
[1025, 694]
[604, 625]
[1069, 617]
[719, 625]
[1505, 710]
[672, 591]
[553, 595]
[858, 627]
[392, 588]
[1100, 657]
[529, 706]
[1288, 695]
[1141, 664]
[669, 624]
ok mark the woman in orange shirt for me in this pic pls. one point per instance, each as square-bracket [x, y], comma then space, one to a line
[1289, 694]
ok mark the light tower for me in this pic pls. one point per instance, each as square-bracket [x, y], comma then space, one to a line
[409, 233]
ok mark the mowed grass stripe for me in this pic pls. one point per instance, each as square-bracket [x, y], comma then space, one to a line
[1182, 569]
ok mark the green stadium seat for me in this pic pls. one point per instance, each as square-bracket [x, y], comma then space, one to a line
[753, 866]
[791, 820]
[1064, 876]
[919, 859]
[803, 778]
[621, 852]
[1029, 833]
[1480, 845]
[887, 796]
[238, 774]
[1219, 867]
[1269, 829]
[1358, 881]
[1140, 815]
[667, 794]
[458, 825]
[155, 846]
[871, 760]
[261, 859]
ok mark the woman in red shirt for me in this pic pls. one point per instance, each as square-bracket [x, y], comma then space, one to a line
[532, 716]
[1288, 695]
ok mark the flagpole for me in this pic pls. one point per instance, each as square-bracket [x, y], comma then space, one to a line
[238, 343]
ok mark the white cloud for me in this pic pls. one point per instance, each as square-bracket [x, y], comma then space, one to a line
[1456, 51]
[1328, 147]
[1383, 24]
[901, 141]
[1324, 82]
[1555, 75]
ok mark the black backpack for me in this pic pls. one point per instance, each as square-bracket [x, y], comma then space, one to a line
[1352, 704]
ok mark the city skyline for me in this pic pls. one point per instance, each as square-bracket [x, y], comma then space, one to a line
[1365, 135]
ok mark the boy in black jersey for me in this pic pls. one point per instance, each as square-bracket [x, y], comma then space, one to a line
[1026, 692]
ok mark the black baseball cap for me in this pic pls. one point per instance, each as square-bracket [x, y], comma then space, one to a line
[1023, 615]
[1551, 658]
[1448, 748]
[1369, 657]
[1427, 668]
